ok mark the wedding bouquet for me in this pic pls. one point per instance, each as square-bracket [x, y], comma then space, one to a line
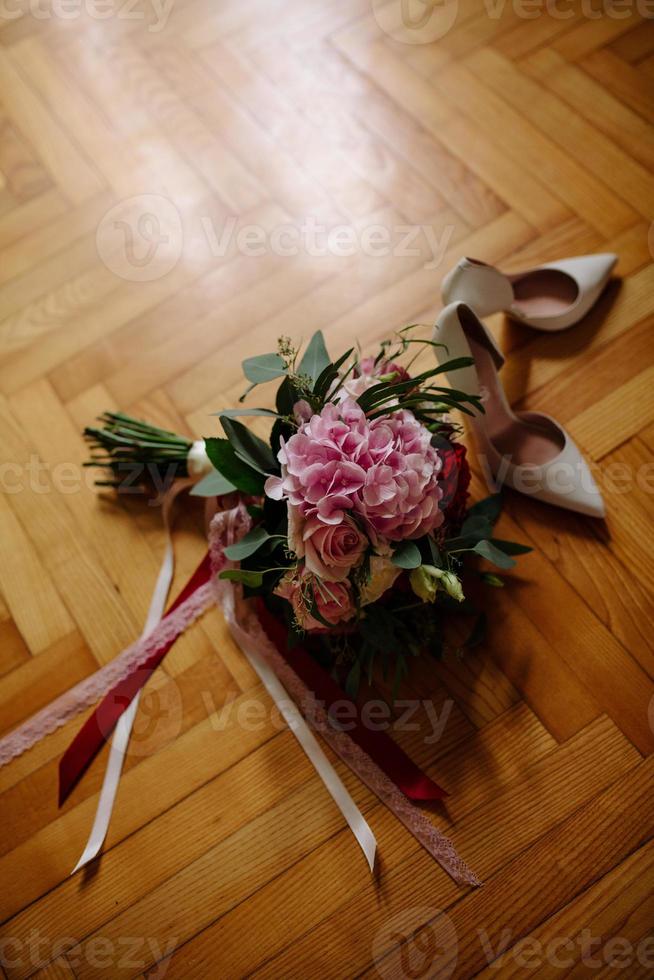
[358, 500]
[337, 550]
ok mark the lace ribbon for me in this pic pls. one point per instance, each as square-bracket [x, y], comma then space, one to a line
[249, 633]
[91, 689]
[274, 670]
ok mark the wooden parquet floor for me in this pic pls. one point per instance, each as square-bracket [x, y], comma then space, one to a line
[181, 183]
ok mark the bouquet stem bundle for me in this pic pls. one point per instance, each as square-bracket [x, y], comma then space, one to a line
[128, 448]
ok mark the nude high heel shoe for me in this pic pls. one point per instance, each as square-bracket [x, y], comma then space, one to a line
[527, 451]
[553, 296]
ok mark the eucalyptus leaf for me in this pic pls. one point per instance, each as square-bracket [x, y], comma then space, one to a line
[212, 485]
[263, 367]
[489, 507]
[248, 544]
[511, 547]
[476, 527]
[407, 555]
[315, 358]
[488, 551]
[439, 441]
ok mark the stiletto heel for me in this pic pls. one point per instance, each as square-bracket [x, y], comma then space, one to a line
[527, 451]
[548, 297]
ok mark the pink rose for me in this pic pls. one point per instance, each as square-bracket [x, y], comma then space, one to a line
[333, 600]
[332, 550]
[382, 369]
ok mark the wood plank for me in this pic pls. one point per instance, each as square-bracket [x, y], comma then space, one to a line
[518, 136]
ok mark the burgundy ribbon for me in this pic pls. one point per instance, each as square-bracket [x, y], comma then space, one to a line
[99, 726]
[388, 755]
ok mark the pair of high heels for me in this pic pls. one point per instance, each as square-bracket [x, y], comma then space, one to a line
[527, 451]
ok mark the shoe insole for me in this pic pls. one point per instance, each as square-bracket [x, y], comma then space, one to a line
[524, 442]
[546, 292]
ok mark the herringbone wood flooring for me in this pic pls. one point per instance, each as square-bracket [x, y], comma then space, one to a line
[513, 137]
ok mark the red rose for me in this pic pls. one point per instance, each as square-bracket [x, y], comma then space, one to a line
[454, 480]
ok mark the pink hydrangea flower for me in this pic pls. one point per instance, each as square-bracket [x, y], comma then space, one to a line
[333, 600]
[386, 470]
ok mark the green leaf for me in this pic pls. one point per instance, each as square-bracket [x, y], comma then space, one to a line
[251, 579]
[316, 358]
[382, 391]
[234, 413]
[489, 507]
[286, 397]
[435, 553]
[511, 547]
[264, 367]
[248, 544]
[489, 579]
[248, 447]
[239, 474]
[476, 527]
[329, 375]
[439, 441]
[407, 555]
[353, 679]
[493, 554]
[212, 485]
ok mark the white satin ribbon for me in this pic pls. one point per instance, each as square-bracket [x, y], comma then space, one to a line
[293, 718]
[123, 729]
[283, 702]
